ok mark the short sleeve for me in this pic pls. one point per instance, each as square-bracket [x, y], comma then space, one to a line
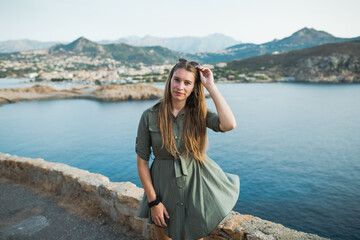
[143, 139]
[213, 121]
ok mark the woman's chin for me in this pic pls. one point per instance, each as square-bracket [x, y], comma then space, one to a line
[178, 97]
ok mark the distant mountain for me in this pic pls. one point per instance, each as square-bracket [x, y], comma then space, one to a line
[206, 48]
[332, 62]
[121, 52]
[158, 55]
[80, 46]
[23, 45]
[304, 38]
[188, 44]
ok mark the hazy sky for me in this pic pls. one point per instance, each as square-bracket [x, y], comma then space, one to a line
[254, 21]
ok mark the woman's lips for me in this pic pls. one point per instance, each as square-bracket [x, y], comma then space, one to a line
[178, 93]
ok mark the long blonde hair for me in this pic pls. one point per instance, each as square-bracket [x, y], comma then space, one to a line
[194, 135]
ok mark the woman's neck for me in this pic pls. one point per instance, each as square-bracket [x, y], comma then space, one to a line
[177, 106]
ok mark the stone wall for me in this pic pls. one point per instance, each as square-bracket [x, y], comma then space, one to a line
[121, 200]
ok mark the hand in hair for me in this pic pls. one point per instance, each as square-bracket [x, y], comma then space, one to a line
[206, 77]
[227, 119]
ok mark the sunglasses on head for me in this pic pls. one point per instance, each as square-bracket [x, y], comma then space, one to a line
[195, 64]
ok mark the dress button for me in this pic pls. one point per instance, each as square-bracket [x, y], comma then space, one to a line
[181, 203]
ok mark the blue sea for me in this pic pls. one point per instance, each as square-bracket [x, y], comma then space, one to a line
[296, 147]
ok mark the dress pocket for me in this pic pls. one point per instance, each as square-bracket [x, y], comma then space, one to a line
[156, 139]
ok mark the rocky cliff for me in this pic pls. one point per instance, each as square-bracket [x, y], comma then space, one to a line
[335, 68]
[333, 62]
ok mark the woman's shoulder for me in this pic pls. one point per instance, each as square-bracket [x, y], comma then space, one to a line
[152, 110]
[155, 107]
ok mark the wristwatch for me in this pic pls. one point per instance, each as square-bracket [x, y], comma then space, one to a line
[155, 202]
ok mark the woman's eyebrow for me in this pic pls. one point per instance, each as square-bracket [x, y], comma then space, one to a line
[180, 78]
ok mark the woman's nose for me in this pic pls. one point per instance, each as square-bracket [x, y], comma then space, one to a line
[181, 85]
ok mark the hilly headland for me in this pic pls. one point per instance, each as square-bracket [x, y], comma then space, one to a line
[109, 93]
[327, 63]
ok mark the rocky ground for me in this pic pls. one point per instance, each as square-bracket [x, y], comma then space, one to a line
[107, 93]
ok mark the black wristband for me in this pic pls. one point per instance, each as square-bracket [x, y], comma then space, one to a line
[155, 202]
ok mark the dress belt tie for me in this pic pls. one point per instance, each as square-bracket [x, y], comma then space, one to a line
[179, 165]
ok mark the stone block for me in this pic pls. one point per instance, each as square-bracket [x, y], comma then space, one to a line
[151, 228]
[129, 194]
[90, 182]
[136, 224]
[233, 225]
[125, 209]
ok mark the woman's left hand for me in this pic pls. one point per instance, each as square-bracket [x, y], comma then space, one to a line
[206, 77]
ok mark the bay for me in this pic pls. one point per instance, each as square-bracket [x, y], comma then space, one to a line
[296, 148]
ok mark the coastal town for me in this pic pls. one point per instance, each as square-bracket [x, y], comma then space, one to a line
[39, 66]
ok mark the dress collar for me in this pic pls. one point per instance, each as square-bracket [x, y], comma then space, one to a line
[157, 105]
[182, 112]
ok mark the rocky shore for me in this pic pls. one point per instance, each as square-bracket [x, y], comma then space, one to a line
[109, 93]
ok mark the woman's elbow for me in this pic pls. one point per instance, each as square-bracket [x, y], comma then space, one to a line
[228, 127]
[231, 126]
[141, 162]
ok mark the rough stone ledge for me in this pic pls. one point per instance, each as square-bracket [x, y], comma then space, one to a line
[121, 200]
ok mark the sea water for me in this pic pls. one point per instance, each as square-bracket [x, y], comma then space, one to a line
[296, 148]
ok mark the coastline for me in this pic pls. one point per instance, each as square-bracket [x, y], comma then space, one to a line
[108, 93]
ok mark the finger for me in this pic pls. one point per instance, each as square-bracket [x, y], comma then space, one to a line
[166, 213]
[157, 222]
[162, 221]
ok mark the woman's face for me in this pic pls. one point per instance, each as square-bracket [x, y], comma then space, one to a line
[181, 84]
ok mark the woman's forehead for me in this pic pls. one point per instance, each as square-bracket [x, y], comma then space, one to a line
[184, 74]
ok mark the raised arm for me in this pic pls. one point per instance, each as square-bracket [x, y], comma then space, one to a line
[227, 119]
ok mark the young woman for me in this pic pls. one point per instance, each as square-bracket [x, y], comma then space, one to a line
[186, 193]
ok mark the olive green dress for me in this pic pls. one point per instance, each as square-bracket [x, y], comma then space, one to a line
[197, 198]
